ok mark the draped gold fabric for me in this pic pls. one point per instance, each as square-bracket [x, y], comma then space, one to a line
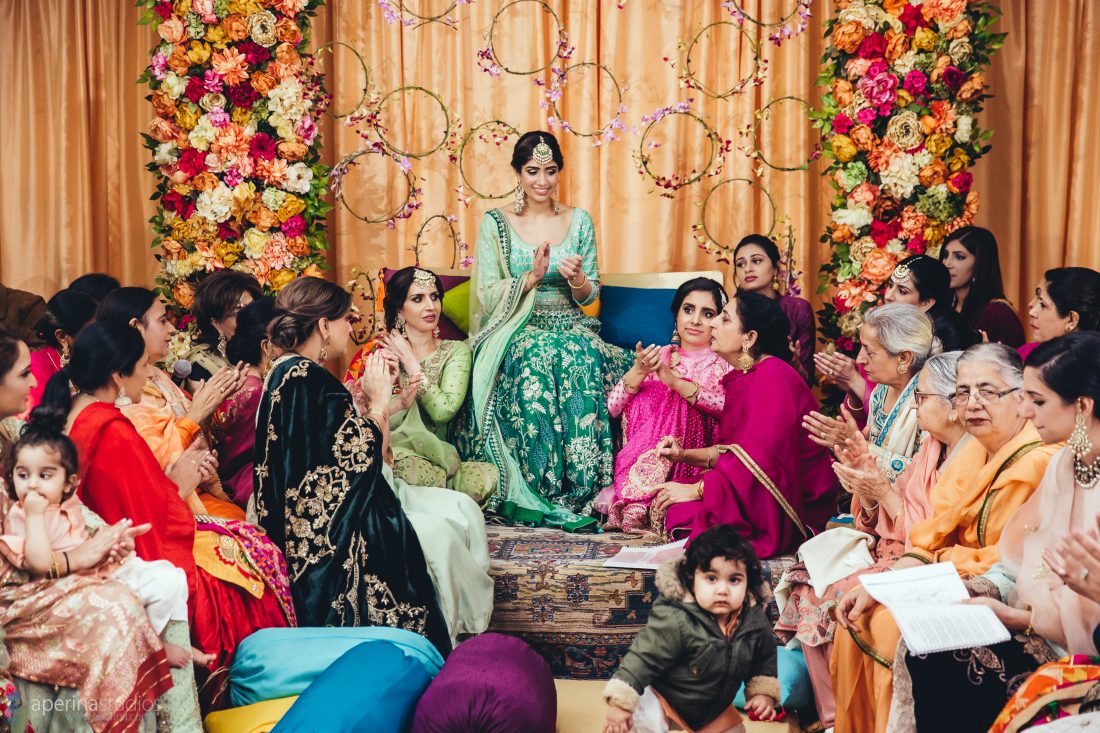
[75, 193]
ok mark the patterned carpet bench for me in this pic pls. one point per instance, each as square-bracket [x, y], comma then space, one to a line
[552, 590]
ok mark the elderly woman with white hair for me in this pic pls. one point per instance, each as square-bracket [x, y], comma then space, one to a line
[988, 480]
[896, 339]
[884, 510]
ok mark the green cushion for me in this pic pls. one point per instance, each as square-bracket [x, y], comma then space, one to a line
[456, 305]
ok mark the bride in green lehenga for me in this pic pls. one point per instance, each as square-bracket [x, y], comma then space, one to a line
[541, 372]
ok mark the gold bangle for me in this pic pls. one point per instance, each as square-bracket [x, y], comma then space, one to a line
[631, 388]
[699, 488]
[377, 411]
[584, 281]
[712, 457]
[694, 394]
[54, 573]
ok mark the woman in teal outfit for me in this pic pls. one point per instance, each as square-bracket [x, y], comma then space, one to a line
[541, 372]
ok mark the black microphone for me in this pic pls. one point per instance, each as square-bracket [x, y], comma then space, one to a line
[181, 370]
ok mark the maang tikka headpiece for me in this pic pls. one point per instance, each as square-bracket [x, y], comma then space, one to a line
[542, 154]
[423, 278]
[901, 274]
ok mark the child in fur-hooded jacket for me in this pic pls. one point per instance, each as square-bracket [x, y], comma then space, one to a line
[706, 635]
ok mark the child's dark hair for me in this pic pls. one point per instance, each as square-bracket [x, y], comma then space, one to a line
[725, 541]
[45, 429]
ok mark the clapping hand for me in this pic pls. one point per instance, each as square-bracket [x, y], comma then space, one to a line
[669, 447]
[646, 358]
[377, 380]
[407, 397]
[570, 268]
[541, 263]
[837, 367]
[1076, 560]
[395, 343]
[212, 392]
[830, 432]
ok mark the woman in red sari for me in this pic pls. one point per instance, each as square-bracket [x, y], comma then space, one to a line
[236, 579]
[765, 476]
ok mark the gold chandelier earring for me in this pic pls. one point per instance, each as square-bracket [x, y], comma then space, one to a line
[399, 324]
[521, 199]
[675, 337]
[323, 356]
[745, 361]
[65, 355]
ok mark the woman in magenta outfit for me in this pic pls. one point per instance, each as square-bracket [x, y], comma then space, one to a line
[764, 475]
[675, 390]
[1067, 300]
[67, 312]
[233, 424]
[756, 270]
[970, 255]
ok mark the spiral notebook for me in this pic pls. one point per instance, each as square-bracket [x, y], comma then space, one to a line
[925, 603]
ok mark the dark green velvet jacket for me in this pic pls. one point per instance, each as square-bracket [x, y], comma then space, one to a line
[684, 655]
[353, 557]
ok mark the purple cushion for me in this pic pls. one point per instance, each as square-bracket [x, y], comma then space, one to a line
[447, 329]
[518, 696]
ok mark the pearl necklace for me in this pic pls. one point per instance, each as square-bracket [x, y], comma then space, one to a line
[1086, 476]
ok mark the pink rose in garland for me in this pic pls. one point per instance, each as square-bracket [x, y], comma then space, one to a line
[915, 82]
[842, 123]
[879, 90]
[872, 47]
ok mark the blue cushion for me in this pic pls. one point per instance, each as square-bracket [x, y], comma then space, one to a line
[274, 663]
[373, 688]
[629, 315]
[794, 681]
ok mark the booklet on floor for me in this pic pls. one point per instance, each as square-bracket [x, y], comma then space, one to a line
[925, 603]
[646, 558]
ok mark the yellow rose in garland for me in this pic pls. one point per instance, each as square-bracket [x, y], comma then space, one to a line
[843, 148]
[937, 144]
[281, 278]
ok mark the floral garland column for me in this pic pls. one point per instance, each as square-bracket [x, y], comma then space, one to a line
[236, 99]
[904, 82]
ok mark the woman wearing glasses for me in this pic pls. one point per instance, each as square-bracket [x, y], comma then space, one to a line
[883, 509]
[989, 478]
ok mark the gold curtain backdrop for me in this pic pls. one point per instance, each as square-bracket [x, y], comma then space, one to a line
[76, 193]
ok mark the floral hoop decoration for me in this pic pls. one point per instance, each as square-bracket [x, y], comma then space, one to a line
[413, 192]
[755, 77]
[710, 244]
[903, 85]
[460, 250]
[234, 139]
[756, 153]
[363, 291]
[489, 60]
[495, 132]
[398, 12]
[330, 49]
[671, 183]
[785, 30]
[552, 94]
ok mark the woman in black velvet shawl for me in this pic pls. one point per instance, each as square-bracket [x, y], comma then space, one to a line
[354, 559]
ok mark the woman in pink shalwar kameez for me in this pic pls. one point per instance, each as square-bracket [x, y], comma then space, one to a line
[671, 391]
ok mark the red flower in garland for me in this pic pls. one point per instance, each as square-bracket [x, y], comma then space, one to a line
[227, 231]
[195, 89]
[912, 19]
[882, 231]
[243, 95]
[263, 147]
[253, 52]
[872, 47]
[953, 77]
[192, 162]
[163, 9]
[294, 226]
[180, 204]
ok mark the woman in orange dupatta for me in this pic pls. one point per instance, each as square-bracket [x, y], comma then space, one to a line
[986, 482]
[168, 419]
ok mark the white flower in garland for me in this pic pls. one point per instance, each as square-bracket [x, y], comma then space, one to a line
[167, 153]
[901, 177]
[215, 204]
[202, 134]
[173, 85]
[288, 100]
[298, 178]
[905, 63]
[856, 218]
[255, 242]
[964, 128]
[273, 198]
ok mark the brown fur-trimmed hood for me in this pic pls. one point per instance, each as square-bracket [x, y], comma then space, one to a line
[668, 585]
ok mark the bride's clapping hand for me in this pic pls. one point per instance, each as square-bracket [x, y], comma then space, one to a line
[646, 359]
[570, 268]
[541, 263]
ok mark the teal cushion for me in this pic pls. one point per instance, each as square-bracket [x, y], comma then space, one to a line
[274, 663]
[373, 688]
[629, 315]
[794, 681]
